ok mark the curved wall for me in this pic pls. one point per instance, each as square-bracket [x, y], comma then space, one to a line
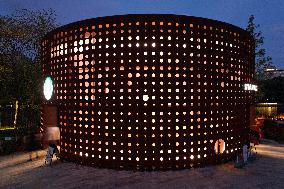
[150, 91]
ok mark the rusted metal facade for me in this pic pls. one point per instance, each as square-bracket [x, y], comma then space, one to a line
[150, 91]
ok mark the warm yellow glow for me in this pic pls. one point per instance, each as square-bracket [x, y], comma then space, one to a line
[268, 103]
[7, 128]
[219, 146]
[16, 113]
[173, 122]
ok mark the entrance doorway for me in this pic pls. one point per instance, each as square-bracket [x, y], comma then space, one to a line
[51, 133]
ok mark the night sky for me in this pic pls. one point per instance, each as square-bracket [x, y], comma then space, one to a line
[268, 13]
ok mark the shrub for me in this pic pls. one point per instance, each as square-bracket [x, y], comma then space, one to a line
[8, 147]
[272, 130]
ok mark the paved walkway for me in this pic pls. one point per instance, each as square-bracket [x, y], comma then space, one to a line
[266, 172]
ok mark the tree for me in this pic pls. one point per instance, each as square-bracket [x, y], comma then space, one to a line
[272, 90]
[20, 64]
[262, 61]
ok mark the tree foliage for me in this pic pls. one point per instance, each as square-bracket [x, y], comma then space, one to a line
[20, 64]
[272, 90]
[272, 130]
[22, 32]
[262, 61]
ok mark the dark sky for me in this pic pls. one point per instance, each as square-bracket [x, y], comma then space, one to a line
[268, 13]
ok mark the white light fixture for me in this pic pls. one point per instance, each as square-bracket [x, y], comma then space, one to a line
[145, 97]
[250, 87]
[48, 88]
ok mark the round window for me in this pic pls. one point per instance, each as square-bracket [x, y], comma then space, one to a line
[48, 88]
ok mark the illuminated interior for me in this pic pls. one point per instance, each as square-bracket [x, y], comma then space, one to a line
[150, 91]
[267, 110]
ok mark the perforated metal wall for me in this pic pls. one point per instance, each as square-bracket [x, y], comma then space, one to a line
[150, 91]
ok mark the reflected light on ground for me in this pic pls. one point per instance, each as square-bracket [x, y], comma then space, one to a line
[271, 150]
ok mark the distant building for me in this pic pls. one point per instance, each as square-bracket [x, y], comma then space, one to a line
[273, 72]
[269, 109]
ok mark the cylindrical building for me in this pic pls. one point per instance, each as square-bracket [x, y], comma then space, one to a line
[148, 91]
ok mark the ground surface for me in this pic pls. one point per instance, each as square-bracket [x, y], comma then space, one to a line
[266, 172]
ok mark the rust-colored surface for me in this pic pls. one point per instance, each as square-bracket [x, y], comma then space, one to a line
[150, 91]
[49, 116]
[49, 121]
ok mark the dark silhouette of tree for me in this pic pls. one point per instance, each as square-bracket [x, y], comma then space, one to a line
[262, 61]
[20, 64]
[272, 90]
